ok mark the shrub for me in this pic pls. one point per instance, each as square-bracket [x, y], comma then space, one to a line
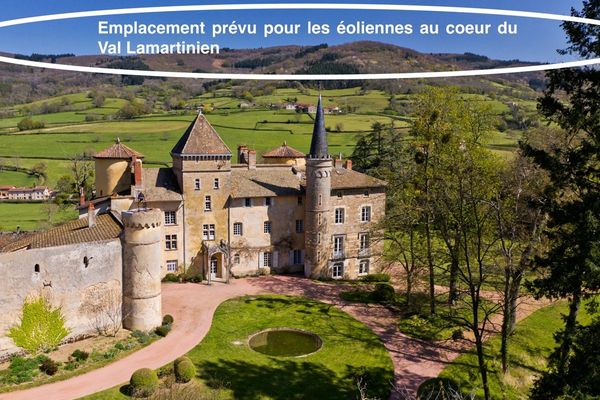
[49, 367]
[143, 382]
[185, 371]
[141, 337]
[23, 369]
[376, 278]
[168, 320]
[110, 354]
[42, 328]
[384, 293]
[163, 330]
[194, 278]
[180, 360]
[171, 278]
[27, 123]
[458, 334]
[71, 365]
[80, 355]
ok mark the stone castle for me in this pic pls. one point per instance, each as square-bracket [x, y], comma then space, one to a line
[293, 213]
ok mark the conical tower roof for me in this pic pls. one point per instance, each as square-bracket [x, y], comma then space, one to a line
[201, 139]
[118, 151]
[318, 144]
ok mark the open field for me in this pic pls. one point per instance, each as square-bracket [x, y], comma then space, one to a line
[32, 216]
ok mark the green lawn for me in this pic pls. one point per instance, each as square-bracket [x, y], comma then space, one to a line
[529, 349]
[15, 178]
[32, 216]
[223, 357]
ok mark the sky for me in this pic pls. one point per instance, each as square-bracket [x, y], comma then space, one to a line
[536, 40]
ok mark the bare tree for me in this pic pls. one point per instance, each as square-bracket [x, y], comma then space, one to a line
[103, 306]
[82, 171]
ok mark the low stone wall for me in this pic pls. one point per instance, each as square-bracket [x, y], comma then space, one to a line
[86, 292]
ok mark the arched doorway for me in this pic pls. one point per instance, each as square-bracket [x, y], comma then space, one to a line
[213, 267]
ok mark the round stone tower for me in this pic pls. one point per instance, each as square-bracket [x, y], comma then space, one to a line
[113, 169]
[141, 269]
[319, 164]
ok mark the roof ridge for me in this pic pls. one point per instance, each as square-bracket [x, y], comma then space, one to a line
[201, 138]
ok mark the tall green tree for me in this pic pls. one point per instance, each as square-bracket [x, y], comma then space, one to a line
[571, 267]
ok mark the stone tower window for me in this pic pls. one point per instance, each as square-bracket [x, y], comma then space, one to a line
[216, 183]
[339, 215]
[320, 199]
[36, 268]
[197, 184]
[86, 261]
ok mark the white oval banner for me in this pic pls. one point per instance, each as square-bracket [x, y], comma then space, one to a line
[300, 6]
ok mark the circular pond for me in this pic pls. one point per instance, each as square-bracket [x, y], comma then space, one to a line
[285, 342]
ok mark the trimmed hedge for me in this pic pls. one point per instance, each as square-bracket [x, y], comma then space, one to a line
[185, 371]
[168, 319]
[384, 293]
[180, 360]
[376, 278]
[143, 382]
[163, 330]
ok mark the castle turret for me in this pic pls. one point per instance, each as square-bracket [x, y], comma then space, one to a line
[114, 169]
[142, 256]
[319, 165]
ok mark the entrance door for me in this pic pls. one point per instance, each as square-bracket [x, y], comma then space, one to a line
[214, 267]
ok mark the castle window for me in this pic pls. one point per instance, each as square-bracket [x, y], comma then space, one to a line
[319, 237]
[337, 271]
[170, 217]
[366, 193]
[36, 268]
[268, 201]
[338, 246]
[236, 258]
[267, 227]
[207, 203]
[299, 200]
[365, 214]
[267, 259]
[172, 266]
[320, 199]
[339, 194]
[297, 257]
[339, 215]
[216, 183]
[363, 267]
[299, 226]
[364, 242]
[171, 242]
[86, 261]
[197, 184]
[319, 219]
[247, 202]
[237, 229]
[208, 231]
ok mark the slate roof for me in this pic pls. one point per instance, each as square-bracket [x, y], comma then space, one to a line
[118, 151]
[201, 139]
[72, 232]
[318, 144]
[284, 151]
[160, 184]
[342, 178]
[264, 182]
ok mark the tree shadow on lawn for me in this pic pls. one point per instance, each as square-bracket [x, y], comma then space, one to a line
[284, 379]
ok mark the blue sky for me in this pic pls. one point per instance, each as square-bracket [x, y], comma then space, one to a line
[537, 40]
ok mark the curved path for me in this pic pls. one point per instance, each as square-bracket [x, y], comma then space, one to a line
[193, 306]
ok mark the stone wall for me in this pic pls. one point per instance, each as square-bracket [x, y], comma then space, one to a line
[65, 279]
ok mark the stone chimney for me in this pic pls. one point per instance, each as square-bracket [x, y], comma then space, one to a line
[251, 159]
[338, 162]
[91, 214]
[137, 172]
[348, 164]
